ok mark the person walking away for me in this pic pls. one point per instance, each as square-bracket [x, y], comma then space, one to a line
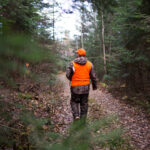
[79, 72]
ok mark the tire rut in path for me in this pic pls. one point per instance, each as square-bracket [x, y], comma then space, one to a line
[63, 115]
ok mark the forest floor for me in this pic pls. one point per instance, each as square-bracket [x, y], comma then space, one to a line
[53, 102]
[132, 118]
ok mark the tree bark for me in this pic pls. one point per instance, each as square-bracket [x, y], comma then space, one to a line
[82, 25]
[103, 42]
[82, 42]
[53, 20]
[109, 50]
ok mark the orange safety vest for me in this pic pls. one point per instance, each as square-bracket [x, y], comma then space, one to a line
[81, 75]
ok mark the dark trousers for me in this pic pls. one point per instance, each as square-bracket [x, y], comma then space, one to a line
[79, 105]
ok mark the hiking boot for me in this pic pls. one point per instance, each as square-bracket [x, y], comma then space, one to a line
[77, 118]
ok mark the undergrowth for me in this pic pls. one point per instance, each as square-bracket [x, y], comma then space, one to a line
[32, 132]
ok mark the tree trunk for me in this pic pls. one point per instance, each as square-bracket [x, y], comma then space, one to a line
[109, 49]
[82, 42]
[103, 42]
[53, 20]
[82, 24]
[77, 43]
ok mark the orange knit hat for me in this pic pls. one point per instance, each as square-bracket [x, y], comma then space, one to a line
[81, 51]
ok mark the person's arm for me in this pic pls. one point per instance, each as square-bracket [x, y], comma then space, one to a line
[69, 71]
[93, 78]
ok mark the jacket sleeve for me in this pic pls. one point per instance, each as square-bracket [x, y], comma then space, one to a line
[93, 78]
[69, 71]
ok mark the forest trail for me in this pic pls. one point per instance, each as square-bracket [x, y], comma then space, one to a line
[132, 119]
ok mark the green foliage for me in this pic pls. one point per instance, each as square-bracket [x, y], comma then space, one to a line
[62, 63]
[52, 81]
[22, 15]
[107, 77]
[15, 52]
[129, 56]
[25, 96]
[113, 138]
[37, 133]
[126, 29]
[6, 133]
[22, 33]
[85, 137]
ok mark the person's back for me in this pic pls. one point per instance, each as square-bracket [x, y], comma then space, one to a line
[79, 72]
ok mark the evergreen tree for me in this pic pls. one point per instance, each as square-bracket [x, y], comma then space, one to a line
[122, 31]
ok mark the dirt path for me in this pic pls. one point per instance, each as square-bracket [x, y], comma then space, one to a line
[131, 118]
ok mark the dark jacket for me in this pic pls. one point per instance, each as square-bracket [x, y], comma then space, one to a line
[84, 89]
